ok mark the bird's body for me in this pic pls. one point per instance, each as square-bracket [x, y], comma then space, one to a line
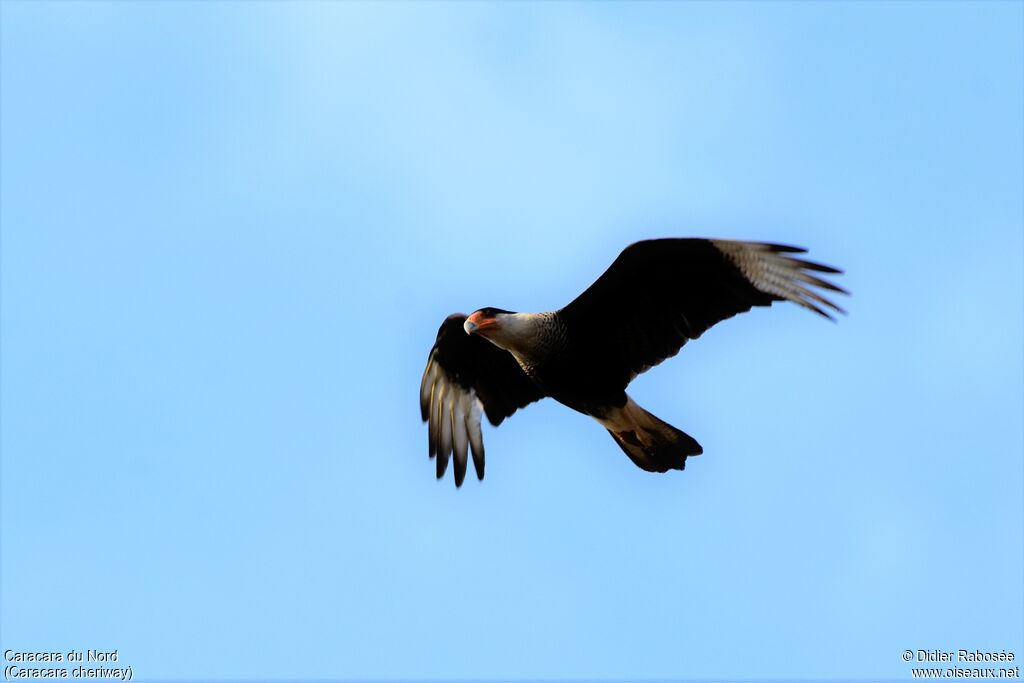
[657, 295]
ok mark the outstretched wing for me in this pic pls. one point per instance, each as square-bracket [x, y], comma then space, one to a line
[467, 375]
[658, 294]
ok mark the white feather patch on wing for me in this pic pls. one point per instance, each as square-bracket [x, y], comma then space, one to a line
[427, 384]
[476, 436]
[432, 423]
[459, 434]
[447, 409]
[453, 415]
[444, 448]
[774, 270]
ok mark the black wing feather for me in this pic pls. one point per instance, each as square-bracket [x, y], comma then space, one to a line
[464, 375]
[658, 294]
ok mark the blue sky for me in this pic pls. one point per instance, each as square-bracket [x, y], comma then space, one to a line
[230, 231]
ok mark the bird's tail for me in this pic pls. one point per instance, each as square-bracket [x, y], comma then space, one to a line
[652, 444]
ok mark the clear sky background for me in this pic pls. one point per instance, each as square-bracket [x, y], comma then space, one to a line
[230, 231]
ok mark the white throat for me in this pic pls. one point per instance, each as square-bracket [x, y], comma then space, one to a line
[517, 333]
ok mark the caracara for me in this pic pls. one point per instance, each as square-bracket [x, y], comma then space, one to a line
[656, 296]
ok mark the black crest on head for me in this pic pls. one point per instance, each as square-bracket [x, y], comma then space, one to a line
[491, 311]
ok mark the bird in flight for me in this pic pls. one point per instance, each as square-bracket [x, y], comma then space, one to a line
[656, 296]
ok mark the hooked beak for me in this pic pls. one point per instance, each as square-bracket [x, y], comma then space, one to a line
[478, 323]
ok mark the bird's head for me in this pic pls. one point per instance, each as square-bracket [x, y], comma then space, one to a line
[487, 322]
[514, 332]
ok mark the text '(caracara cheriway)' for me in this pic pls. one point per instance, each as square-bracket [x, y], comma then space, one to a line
[656, 296]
